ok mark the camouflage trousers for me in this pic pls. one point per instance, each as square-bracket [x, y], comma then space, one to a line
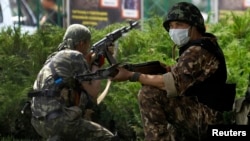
[174, 119]
[70, 126]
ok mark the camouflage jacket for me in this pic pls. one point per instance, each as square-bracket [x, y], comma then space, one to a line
[66, 64]
[201, 71]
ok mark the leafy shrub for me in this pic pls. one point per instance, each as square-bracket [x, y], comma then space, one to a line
[22, 56]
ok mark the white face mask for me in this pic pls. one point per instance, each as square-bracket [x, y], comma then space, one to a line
[179, 36]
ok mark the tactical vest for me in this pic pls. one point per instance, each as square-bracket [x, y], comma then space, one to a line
[213, 92]
[70, 89]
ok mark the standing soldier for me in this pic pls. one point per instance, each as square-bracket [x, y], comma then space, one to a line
[52, 15]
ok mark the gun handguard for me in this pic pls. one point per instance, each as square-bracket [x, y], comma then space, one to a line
[152, 67]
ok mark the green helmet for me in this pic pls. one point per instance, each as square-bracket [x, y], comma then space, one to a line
[76, 33]
[185, 12]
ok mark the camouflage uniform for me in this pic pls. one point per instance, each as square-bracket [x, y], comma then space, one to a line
[158, 110]
[183, 118]
[242, 108]
[59, 117]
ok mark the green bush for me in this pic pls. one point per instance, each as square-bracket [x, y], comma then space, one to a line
[22, 56]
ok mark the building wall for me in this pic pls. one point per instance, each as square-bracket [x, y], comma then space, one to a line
[231, 4]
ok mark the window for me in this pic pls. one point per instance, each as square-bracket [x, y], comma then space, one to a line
[25, 15]
[1, 14]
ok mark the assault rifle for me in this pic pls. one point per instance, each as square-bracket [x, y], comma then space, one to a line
[101, 47]
[152, 67]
